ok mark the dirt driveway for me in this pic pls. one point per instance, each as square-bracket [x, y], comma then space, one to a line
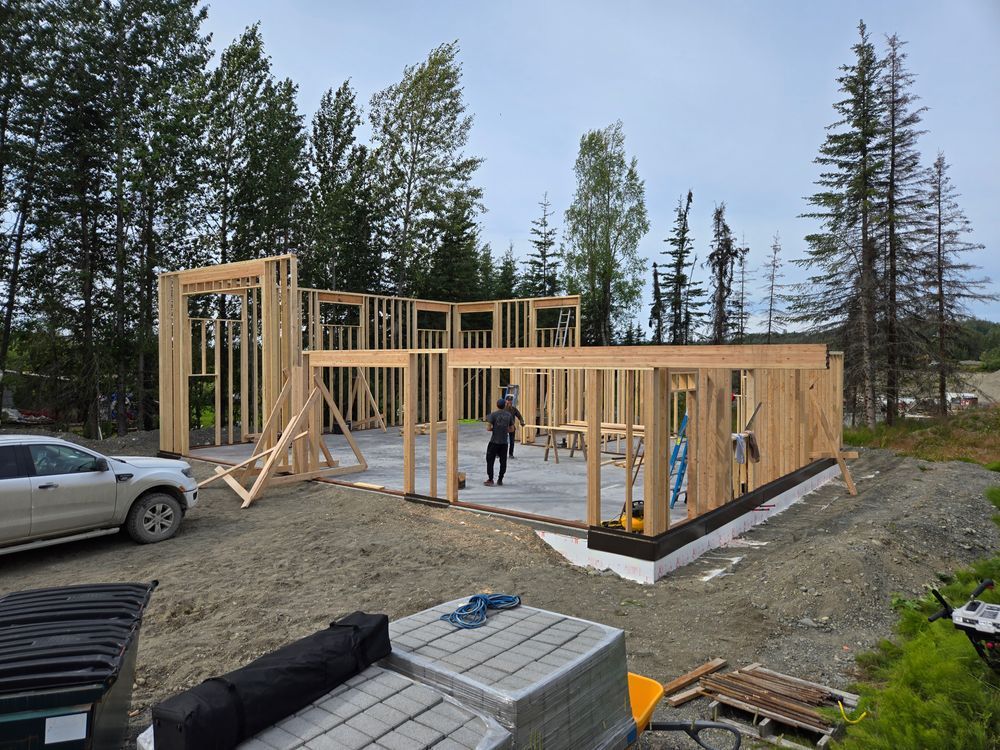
[802, 594]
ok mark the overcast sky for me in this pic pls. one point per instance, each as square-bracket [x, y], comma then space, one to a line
[730, 99]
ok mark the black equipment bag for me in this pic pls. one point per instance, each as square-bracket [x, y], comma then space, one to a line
[223, 711]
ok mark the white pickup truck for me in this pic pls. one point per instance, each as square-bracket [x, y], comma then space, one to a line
[54, 491]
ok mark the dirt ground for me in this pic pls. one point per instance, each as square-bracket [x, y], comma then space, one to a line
[801, 594]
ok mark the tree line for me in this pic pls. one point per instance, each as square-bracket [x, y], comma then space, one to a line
[126, 151]
[889, 274]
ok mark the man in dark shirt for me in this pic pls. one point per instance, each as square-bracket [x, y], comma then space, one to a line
[516, 414]
[500, 424]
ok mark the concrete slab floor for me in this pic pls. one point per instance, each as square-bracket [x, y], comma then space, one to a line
[531, 485]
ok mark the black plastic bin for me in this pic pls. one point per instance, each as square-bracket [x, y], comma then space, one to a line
[67, 662]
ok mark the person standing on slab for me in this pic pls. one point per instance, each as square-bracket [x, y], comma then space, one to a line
[515, 416]
[500, 424]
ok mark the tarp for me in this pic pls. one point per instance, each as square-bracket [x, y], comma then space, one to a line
[223, 711]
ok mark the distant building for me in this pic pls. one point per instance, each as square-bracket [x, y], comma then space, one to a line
[958, 401]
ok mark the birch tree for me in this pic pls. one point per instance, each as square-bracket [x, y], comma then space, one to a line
[604, 225]
[420, 129]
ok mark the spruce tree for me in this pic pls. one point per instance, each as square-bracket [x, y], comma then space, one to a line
[675, 276]
[541, 269]
[772, 288]
[694, 298]
[656, 309]
[903, 190]
[949, 286]
[340, 252]
[30, 61]
[721, 263]
[840, 295]
[168, 182]
[507, 281]
[455, 273]
[70, 268]
[157, 109]
[271, 198]
[237, 92]
[739, 314]
[487, 286]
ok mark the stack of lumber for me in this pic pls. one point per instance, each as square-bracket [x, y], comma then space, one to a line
[675, 692]
[779, 697]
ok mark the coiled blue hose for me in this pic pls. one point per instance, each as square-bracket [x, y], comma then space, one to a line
[473, 614]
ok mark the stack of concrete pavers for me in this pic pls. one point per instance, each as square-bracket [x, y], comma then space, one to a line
[382, 710]
[553, 681]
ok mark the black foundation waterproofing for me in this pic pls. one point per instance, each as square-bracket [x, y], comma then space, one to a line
[652, 548]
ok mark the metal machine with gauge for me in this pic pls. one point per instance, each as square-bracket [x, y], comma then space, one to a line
[979, 620]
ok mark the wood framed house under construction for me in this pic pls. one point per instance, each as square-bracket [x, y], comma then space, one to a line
[389, 393]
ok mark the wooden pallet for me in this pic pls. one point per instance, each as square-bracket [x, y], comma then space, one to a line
[766, 729]
[764, 704]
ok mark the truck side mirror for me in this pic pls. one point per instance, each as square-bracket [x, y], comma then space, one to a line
[101, 464]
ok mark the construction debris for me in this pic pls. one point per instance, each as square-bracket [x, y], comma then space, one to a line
[692, 677]
[771, 697]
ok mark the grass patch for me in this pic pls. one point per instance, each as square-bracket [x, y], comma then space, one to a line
[972, 435]
[993, 495]
[929, 689]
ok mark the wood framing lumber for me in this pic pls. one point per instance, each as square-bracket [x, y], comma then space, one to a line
[768, 712]
[834, 442]
[339, 419]
[409, 396]
[433, 412]
[849, 699]
[368, 486]
[594, 394]
[684, 696]
[542, 303]
[453, 405]
[339, 298]
[461, 308]
[550, 442]
[358, 358]
[281, 449]
[272, 418]
[329, 471]
[238, 488]
[424, 428]
[848, 455]
[330, 460]
[753, 732]
[220, 472]
[424, 306]
[656, 468]
[774, 356]
[693, 676]
[222, 272]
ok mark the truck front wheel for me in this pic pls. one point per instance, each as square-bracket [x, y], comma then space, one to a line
[153, 518]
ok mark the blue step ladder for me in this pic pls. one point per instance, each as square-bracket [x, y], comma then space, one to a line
[681, 449]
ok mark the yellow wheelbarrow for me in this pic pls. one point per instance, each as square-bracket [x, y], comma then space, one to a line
[644, 694]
